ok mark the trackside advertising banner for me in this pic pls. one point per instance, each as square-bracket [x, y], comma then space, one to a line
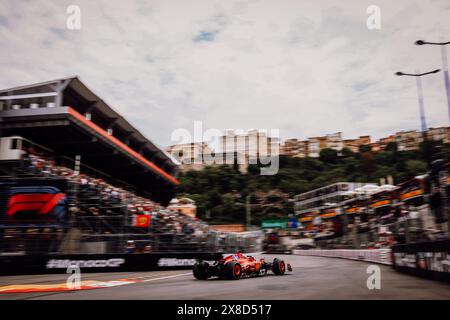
[428, 259]
[101, 262]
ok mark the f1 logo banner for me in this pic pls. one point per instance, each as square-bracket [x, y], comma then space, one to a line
[28, 201]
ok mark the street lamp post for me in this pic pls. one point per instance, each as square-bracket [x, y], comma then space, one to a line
[423, 122]
[444, 67]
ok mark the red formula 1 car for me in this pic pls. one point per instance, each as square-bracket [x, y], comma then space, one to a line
[237, 266]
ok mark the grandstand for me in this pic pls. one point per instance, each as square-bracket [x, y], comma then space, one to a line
[66, 117]
[76, 177]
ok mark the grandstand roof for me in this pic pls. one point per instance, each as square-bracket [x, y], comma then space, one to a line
[69, 118]
[74, 83]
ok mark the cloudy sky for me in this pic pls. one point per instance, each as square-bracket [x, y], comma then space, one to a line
[306, 68]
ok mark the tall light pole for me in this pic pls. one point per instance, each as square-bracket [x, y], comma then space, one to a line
[423, 122]
[444, 67]
[419, 93]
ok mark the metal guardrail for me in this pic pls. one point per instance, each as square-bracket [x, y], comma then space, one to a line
[382, 256]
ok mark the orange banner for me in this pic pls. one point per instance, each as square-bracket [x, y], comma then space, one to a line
[411, 194]
[380, 203]
[354, 210]
[328, 215]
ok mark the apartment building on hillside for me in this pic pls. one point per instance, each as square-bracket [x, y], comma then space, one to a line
[354, 144]
[439, 134]
[408, 140]
[252, 144]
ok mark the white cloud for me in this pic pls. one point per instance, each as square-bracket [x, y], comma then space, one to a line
[307, 68]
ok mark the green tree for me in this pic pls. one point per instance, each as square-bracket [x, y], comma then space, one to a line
[415, 167]
[328, 155]
[392, 146]
[364, 148]
[347, 153]
[368, 165]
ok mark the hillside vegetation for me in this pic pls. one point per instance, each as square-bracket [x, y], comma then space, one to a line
[221, 192]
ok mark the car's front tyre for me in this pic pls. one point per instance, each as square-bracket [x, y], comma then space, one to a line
[278, 267]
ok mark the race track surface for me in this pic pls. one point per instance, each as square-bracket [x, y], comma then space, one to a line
[312, 278]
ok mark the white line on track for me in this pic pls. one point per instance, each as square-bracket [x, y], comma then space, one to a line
[167, 277]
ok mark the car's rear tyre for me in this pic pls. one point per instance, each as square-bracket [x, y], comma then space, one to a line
[278, 267]
[233, 270]
[201, 270]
